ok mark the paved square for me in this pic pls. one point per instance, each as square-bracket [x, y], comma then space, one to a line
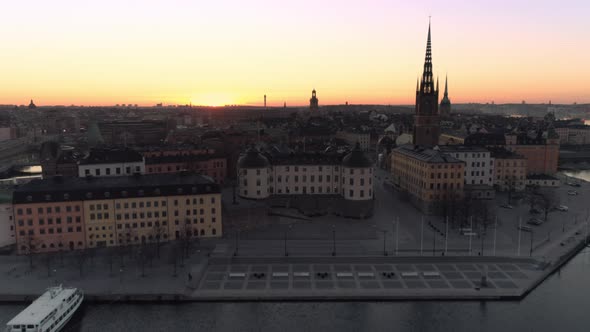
[214, 276]
[466, 267]
[446, 267]
[415, 284]
[363, 268]
[322, 268]
[239, 268]
[472, 275]
[346, 284]
[425, 267]
[279, 285]
[256, 285]
[280, 268]
[217, 268]
[211, 285]
[301, 284]
[497, 275]
[437, 284]
[301, 268]
[405, 267]
[505, 284]
[259, 268]
[381, 267]
[461, 284]
[452, 275]
[370, 284]
[233, 285]
[342, 268]
[508, 267]
[324, 284]
[392, 284]
[517, 275]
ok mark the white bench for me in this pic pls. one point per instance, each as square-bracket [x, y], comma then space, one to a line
[431, 274]
[301, 274]
[366, 275]
[344, 274]
[280, 274]
[409, 274]
[237, 275]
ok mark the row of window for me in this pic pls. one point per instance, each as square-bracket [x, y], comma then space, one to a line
[115, 171]
[49, 210]
[58, 230]
[124, 193]
[41, 221]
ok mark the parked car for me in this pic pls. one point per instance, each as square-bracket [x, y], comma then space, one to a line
[572, 192]
[562, 208]
[507, 206]
[534, 211]
[525, 228]
[535, 221]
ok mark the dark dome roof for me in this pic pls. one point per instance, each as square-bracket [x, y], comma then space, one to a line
[253, 159]
[356, 158]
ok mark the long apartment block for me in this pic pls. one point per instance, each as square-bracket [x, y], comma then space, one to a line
[77, 213]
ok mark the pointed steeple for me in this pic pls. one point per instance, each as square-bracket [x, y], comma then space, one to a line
[417, 84]
[446, 95]
[427, 81]
[437, 84]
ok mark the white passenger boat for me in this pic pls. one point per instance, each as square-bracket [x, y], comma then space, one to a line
[49, 313]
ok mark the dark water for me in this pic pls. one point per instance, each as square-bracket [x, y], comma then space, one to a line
[561, 303]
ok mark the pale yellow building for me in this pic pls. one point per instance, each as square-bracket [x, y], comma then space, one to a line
[429, 177]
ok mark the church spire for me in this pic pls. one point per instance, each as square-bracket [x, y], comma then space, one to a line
[427, 81]
[446, 95]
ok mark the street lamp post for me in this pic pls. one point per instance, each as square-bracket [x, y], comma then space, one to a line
[286, 230]
[333, 240]
[433, 242]
[384, 248]
[531, 252]
[237, 243]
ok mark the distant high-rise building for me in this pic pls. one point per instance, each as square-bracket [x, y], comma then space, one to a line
[265, 101]
[445, 103]
[426, 119]
[313, 102]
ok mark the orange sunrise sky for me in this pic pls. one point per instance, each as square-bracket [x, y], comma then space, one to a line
[234, 52]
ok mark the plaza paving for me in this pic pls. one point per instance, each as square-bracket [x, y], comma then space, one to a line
[381, 277]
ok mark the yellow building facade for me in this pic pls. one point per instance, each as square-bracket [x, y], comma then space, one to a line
[428, 176]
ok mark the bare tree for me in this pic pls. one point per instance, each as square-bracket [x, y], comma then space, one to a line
[158, 233]
[80, 259]
[31, 245]
[532, 196]
[547, 201]
[48, 258]
[110, 258]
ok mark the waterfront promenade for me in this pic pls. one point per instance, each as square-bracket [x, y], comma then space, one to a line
[328, 258]
[225, 277]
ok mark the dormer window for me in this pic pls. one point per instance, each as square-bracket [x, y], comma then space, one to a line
[48, 197]
[88, 195]
[66, 196]
[107, 194]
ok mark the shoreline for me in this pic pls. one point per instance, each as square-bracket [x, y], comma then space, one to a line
[340, 295]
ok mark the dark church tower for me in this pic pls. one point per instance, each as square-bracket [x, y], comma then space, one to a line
[445, 103]
[426, 119]
[313, 102]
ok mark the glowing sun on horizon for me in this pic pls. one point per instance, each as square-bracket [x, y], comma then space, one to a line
[213, 99]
